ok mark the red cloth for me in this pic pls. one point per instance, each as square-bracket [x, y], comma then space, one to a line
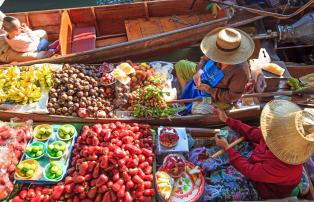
[271, 177]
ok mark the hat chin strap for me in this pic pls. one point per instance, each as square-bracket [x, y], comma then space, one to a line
[227, 50]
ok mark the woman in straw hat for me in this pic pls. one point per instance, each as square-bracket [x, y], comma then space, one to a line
[223, 71]
[284, 141]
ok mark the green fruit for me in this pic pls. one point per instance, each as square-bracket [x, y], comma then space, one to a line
[28, 166]
[62, 148]
[53, 176]
[53, 163]
[20, 166]
[39, 136]
[50, 147]
[39, 153]
[42, 130]
[67, 137]
[29, 173]
[54, 169]
[29, 149]
[59, 173]
[49, 131]
[59, 153]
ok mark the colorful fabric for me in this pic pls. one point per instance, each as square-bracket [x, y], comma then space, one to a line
[185, 69]
[226, 183]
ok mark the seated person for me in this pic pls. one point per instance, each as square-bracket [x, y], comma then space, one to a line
[22, 39]
[8, 55]
[228, 50]
[269, 164]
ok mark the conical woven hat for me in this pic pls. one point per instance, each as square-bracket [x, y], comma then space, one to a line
[288, 131]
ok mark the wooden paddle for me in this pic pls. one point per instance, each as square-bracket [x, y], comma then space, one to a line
[222, 151]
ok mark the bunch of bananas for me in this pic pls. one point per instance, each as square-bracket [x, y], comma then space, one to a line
[22, 85]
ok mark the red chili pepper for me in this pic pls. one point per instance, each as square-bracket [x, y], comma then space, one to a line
[129, 184]
[121, 192]
[102, 179]
[104, 162]
[119, 153]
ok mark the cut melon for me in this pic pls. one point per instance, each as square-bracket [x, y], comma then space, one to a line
[126, 68]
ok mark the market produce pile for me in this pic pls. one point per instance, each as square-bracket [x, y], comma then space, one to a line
[110, 162]
[76, 92]
[96, 91]
[22, 85]
[13, 140]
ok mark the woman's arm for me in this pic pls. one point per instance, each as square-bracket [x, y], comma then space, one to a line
[271, 171]
[251, 133]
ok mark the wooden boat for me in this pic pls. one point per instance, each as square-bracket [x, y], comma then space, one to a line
[95, 34]
[127, 31]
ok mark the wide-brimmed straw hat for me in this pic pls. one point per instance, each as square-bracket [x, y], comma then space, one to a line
[288, 131]
[227, 45]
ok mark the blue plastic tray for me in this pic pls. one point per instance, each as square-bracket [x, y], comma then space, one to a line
[43, 161]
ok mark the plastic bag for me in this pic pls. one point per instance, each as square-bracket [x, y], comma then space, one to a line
[202, 108]
[256, 70]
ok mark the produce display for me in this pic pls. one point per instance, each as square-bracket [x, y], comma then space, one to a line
[43, 132]
[75, 93]
[174, 165]
[22, 85]
[66, 132]
[54, 170]
[27, 168]
[56, 149]
[164, 184]
[48, 154]
[35, 150]
[110, 162]
[13, 140]
[168, 137]
[295, 84]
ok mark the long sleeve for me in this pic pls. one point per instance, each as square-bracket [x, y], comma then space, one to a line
[231, 88]
[272, 171]
[251, 133]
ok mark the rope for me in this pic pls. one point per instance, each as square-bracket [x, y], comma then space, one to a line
[266, 13]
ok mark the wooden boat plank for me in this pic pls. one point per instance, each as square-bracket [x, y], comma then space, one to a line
[167, 8]
[110, 41]
[112, 18]
[191, 19]
[133, 29]
[44, 19]
[167, 24]
[150, 27]
[82, 16]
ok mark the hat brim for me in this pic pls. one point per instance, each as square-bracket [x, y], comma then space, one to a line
[241, 54]
[274, 127]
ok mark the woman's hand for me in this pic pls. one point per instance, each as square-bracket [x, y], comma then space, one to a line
[203, 87]
[197, 78]
[222, 142]
[221, 115]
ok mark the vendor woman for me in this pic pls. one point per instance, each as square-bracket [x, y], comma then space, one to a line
[223, 71]
[283, 143]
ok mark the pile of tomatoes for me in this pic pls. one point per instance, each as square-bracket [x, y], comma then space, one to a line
[110, 162]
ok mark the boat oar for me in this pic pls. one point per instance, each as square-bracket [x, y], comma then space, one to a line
[308, 91]
[222, 151]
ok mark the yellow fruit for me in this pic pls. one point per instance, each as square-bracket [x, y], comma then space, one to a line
[126, 68]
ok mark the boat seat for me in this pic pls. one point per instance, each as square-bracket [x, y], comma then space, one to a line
[84, 39]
